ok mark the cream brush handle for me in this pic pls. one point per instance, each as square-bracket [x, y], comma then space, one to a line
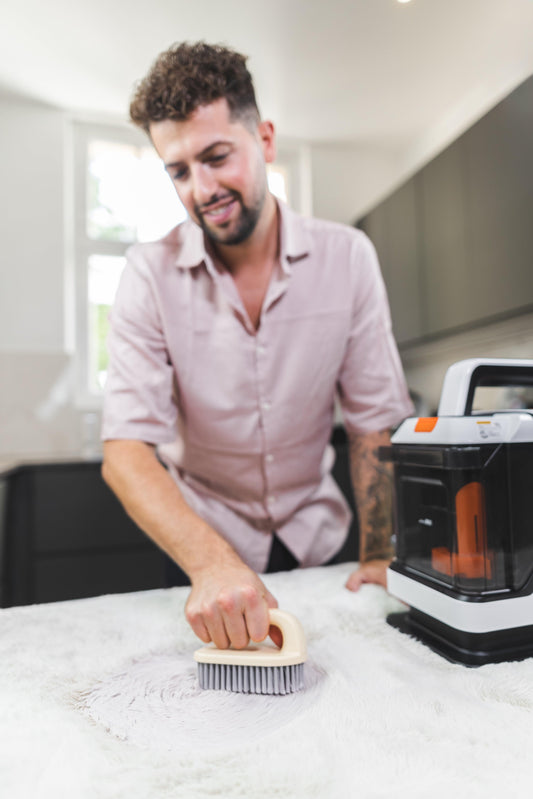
[293, 649]
[291, 630]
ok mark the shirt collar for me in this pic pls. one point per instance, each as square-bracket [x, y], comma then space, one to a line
[192, 251]
[295, 241]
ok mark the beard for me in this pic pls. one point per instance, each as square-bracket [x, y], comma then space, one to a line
[243, 227]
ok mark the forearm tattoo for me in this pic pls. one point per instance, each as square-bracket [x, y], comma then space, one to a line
[372, 482]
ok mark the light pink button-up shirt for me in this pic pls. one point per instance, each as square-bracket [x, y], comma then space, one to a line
[243, 417]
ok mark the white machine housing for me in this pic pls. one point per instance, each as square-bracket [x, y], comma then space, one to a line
[464, 519]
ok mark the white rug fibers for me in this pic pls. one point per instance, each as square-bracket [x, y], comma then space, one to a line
[99, 700]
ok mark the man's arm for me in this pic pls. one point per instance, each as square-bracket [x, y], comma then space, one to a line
[228, 603]
[372, 483]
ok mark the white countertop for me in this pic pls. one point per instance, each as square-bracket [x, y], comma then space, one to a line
[99, 700]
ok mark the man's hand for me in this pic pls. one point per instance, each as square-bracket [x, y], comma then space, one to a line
[372, 571]
[228, 605]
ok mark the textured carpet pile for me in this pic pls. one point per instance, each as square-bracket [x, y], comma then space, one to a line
[99, 700]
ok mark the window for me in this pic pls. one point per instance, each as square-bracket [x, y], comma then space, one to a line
[122, 195]
[278, 181]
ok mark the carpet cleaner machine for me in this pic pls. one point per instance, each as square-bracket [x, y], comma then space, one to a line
[463, 483]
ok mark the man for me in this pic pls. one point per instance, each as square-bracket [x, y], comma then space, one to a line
[230, 339]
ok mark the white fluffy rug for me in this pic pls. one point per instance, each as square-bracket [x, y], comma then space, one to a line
[99, 700]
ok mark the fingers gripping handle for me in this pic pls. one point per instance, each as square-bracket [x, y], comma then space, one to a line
[293, 649]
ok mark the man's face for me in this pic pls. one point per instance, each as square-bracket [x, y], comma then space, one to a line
[218, 168]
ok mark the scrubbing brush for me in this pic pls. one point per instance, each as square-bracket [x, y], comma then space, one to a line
[260, 668]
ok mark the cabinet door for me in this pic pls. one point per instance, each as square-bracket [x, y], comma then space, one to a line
[75, 510]
[402, 275]
[374, 225]
[393, 229]
[67, 536]
[499, 197]
[4, 484]
[444, 258]
[91, 573]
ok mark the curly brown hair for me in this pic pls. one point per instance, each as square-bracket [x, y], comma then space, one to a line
[189, 75]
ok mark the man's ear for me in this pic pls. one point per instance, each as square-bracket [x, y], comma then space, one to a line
[267, 136]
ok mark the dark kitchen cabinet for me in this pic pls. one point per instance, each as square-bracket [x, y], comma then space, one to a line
[456, 240]
[403, 276]
[64, 535]
[392, 228]
[375, 225]
[498, 154]
[443, 241]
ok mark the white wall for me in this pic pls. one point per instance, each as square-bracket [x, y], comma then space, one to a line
[347, 179]
[31, 230]
[37, 415]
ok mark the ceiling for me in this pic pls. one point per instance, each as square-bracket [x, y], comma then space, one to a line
[356, 71]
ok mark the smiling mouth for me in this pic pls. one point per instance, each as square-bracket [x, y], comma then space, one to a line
[219, 211]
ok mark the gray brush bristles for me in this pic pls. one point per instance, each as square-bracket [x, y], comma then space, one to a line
[251, 679]
[259, 668]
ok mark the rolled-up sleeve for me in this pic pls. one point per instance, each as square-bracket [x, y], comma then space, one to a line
[371, 386]
[139, 396]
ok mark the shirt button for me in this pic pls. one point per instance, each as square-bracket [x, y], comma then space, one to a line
[261, 349]
[269, 458]
[271, 500]
[266, 406]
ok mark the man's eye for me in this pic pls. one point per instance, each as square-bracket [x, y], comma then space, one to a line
[217, 159]
[179, 174]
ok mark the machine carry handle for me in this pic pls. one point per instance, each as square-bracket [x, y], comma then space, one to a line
[463, 377]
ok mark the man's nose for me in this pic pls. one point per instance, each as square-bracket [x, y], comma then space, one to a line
[204, 186]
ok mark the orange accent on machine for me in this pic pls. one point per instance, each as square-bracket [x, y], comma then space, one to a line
[472, 558]
[426, 424]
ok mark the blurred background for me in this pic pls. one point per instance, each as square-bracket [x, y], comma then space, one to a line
[413, 120]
